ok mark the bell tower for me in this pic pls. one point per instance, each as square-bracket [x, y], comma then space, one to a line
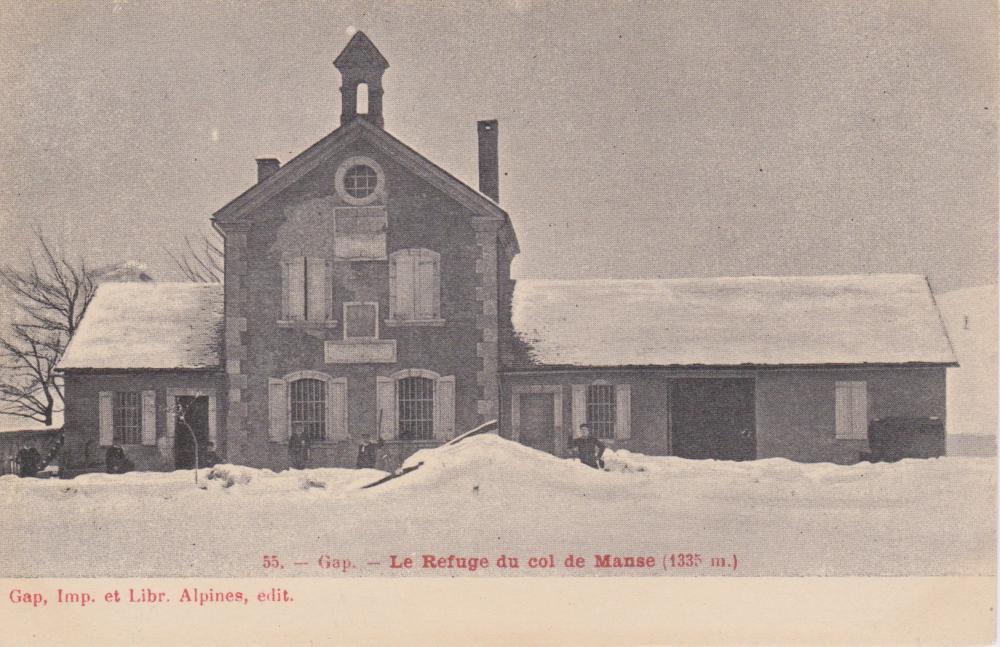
[361, 66]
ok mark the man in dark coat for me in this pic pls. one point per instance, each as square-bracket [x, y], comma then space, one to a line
[115, 461]
[588, 449]
[298, 450]
[29, 461]
[368, 452]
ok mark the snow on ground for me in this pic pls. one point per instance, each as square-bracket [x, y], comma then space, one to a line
[485, 496]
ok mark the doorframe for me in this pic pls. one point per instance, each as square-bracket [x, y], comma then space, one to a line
[171, 416]
[556, 390]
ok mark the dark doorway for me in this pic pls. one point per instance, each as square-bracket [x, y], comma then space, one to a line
[713, 418]
[537, 424]
[191, 415]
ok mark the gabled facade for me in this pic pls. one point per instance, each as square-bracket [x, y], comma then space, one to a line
[367, 295]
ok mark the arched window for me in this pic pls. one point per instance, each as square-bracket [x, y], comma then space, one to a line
[362, 106]
[415, 399]
[307, 405]
[416, 404]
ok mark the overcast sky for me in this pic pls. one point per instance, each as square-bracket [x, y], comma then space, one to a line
[637, 140]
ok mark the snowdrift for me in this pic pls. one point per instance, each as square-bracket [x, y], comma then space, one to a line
[487, 495]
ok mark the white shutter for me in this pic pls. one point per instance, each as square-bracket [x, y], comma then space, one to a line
[842, 410]
[623, 411]
[444, 408]
[106, 416]
[385, 396]
[149, 417]
[316, 277]
[329, 289]
[285, 310]
[859, 413]
[425, 282]
[296, 288]
[404, 286]
[336, 409]
[277, 410]
[579, 407]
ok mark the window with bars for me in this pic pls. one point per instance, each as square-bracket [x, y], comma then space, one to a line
[601, 412]
[307, 401]
[128, 418]
[416, 408]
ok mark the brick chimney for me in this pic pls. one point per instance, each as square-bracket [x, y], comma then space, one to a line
[489, 159]
[266, 166]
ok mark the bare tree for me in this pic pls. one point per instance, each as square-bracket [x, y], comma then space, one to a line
[200, 261]
[51, 296]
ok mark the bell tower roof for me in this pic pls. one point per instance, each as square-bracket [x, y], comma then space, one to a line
[360, 52]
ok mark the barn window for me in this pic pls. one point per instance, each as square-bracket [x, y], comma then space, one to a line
[851, 410]
[307, 404]
[601, 410]
[415, 397]
[128, 418]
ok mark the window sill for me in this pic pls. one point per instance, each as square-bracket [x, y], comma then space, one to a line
[400, 323]
[286, 323]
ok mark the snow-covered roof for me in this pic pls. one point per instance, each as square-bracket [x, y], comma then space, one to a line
[760, 321]
[150, 325]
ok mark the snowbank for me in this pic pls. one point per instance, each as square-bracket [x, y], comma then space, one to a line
[486, 496]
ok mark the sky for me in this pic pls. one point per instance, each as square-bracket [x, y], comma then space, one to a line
[659, 140]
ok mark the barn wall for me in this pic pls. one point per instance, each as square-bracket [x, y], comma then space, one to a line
[795, 408]
[82, 394]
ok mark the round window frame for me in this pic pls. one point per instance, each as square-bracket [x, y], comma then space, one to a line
[347, 165]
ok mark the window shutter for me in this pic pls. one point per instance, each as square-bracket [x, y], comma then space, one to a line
[316, 277]
[336, 409]
[404, 286]
[329, 289]
[277, 410]
[425, 280]
[444, 408]
[296, 288]
[286, 313]
[579, 407]
[859, 402]
[842, 410]
[149, 417]
[106, 415]
[386, 397]
[623, 411]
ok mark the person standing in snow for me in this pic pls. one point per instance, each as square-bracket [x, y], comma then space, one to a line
[368, 452]
[298, 450]
[28, 461]
[587, 448]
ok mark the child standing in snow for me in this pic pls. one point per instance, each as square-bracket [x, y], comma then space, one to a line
[588, 449]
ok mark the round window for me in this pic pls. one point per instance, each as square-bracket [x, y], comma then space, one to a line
[360, 181]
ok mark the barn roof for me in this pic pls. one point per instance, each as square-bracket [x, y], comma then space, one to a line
[756, 321]
[150, 326]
